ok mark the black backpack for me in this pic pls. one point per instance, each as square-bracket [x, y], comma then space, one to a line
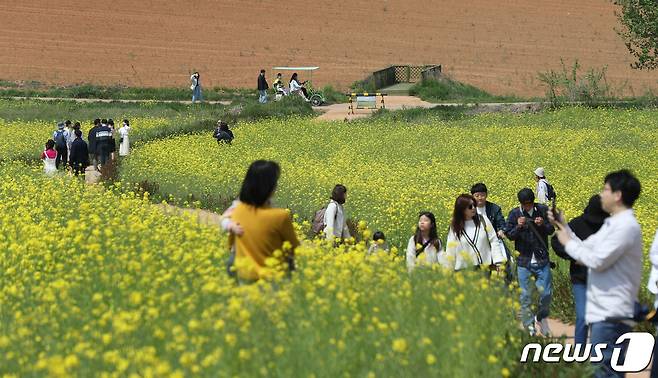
[60, 139]
[550, 192]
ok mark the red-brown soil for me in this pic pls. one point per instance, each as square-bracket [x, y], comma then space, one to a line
[497, 45]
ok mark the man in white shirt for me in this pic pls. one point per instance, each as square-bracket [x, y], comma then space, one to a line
[653, 288]
[613, 256]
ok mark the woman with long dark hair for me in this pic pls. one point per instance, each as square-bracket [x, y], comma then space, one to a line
[424, 246]
[472, 240]
[265, 229]
[335, 217]
[297, 87]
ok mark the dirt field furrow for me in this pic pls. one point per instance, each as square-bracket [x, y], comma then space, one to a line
[499, 46]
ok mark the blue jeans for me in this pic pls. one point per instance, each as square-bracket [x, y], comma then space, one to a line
[262, 96]
[196, 94]
[608, 333]
[543, 282]
[580, 299]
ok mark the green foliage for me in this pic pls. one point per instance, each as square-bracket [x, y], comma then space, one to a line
[332, 96]
[119, 92]
[365, 85]
[29, 110]
[447, 89]
[569, 85]
[253, 110]
[639, 19]
[419, 115]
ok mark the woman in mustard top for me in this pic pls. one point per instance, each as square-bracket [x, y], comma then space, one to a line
[265, 229]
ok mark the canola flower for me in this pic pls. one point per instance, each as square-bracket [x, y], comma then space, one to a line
[122, 289]
[25, 140]
[98, 282]
[393, 171]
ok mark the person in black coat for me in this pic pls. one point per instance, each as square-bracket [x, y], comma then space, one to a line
[262, 87]
[222, 133]
[79, 154]
[91, 137]
[583, 226]
[495, 215]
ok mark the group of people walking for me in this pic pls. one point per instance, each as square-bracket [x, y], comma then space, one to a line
[67, 147]
[295, 86]
[604, 246]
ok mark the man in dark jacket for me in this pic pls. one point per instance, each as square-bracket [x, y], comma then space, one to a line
[262, 87]
[583, 226]
[91, 137]
[528, 226]
[104, 139]
[79, 154]
[495, 215]
[222, 133]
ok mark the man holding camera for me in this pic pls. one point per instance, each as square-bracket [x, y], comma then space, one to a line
[528, 226]
[613, 256]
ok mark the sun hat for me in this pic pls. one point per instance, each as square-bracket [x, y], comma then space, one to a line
[539, 172]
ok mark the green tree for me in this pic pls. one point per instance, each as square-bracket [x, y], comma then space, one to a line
[640, 31]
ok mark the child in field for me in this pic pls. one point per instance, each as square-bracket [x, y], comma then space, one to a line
[378, 244]
[424, 246]
[49, 157]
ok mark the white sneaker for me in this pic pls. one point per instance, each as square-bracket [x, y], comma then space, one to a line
[542, 327]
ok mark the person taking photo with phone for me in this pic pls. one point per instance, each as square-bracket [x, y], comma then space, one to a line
[613, 256]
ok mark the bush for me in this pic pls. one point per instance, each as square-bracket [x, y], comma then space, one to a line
[447, 89]
[365, 85]
[332, 96]
[286, 107]
[568, 85]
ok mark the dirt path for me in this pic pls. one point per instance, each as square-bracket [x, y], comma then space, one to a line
[561, 329]
[203, 216]
[340, 111]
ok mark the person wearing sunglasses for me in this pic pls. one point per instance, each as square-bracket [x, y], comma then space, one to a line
[472, 241]
[528, 226]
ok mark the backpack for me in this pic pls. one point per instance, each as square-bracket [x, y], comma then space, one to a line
[60, 139]
[318, 220]
[550, 191]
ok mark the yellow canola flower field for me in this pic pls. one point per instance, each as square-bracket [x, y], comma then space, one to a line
[395, 170]
[97, 282]
[25, 140]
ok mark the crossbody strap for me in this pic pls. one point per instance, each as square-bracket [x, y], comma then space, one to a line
[472, 242]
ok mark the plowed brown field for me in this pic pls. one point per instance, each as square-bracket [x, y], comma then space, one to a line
[497, 45]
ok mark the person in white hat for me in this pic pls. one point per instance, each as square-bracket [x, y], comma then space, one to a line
[543, 191]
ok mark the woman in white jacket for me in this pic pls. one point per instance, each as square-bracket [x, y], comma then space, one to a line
[472, 240]
[424, 247]
[335, 218]
[124, 131]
